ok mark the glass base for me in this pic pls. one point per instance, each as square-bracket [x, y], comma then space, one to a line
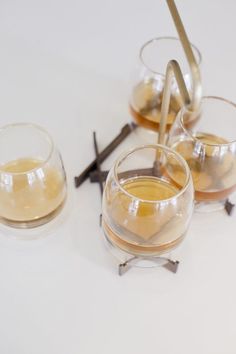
[208, 207]
[49, 226]
[30, 224]
[127, 260]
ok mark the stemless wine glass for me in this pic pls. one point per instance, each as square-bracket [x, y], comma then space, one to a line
[145, 211]
[32, 176]
[209, 148]
[149, 79]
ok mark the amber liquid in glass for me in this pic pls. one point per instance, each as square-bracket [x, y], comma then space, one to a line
[142, 227]
[34, 192]
[213, 172]
[146, 106]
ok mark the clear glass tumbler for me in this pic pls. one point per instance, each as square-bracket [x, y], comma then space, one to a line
[32, 176]
[149, 78]
[145, 211]
[209, 148]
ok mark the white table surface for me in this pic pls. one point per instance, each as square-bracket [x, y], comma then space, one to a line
[66, 65]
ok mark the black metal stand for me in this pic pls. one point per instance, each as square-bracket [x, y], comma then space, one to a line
[229, 207]
[169, 264]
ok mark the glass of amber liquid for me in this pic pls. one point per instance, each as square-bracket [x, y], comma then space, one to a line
[209, 148]
[149, 78]
[32, 176]
[145, 211]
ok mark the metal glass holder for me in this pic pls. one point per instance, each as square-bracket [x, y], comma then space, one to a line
[172, 70]
[192, 103]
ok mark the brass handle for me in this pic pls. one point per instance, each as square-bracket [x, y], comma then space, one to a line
[195, 72]
[173, 69]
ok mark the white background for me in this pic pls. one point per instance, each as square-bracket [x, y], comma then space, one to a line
[66, 65]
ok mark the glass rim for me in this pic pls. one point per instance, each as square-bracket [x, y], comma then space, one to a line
[156, 39]
[125, 154]
[189, 132]
[36, 127]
